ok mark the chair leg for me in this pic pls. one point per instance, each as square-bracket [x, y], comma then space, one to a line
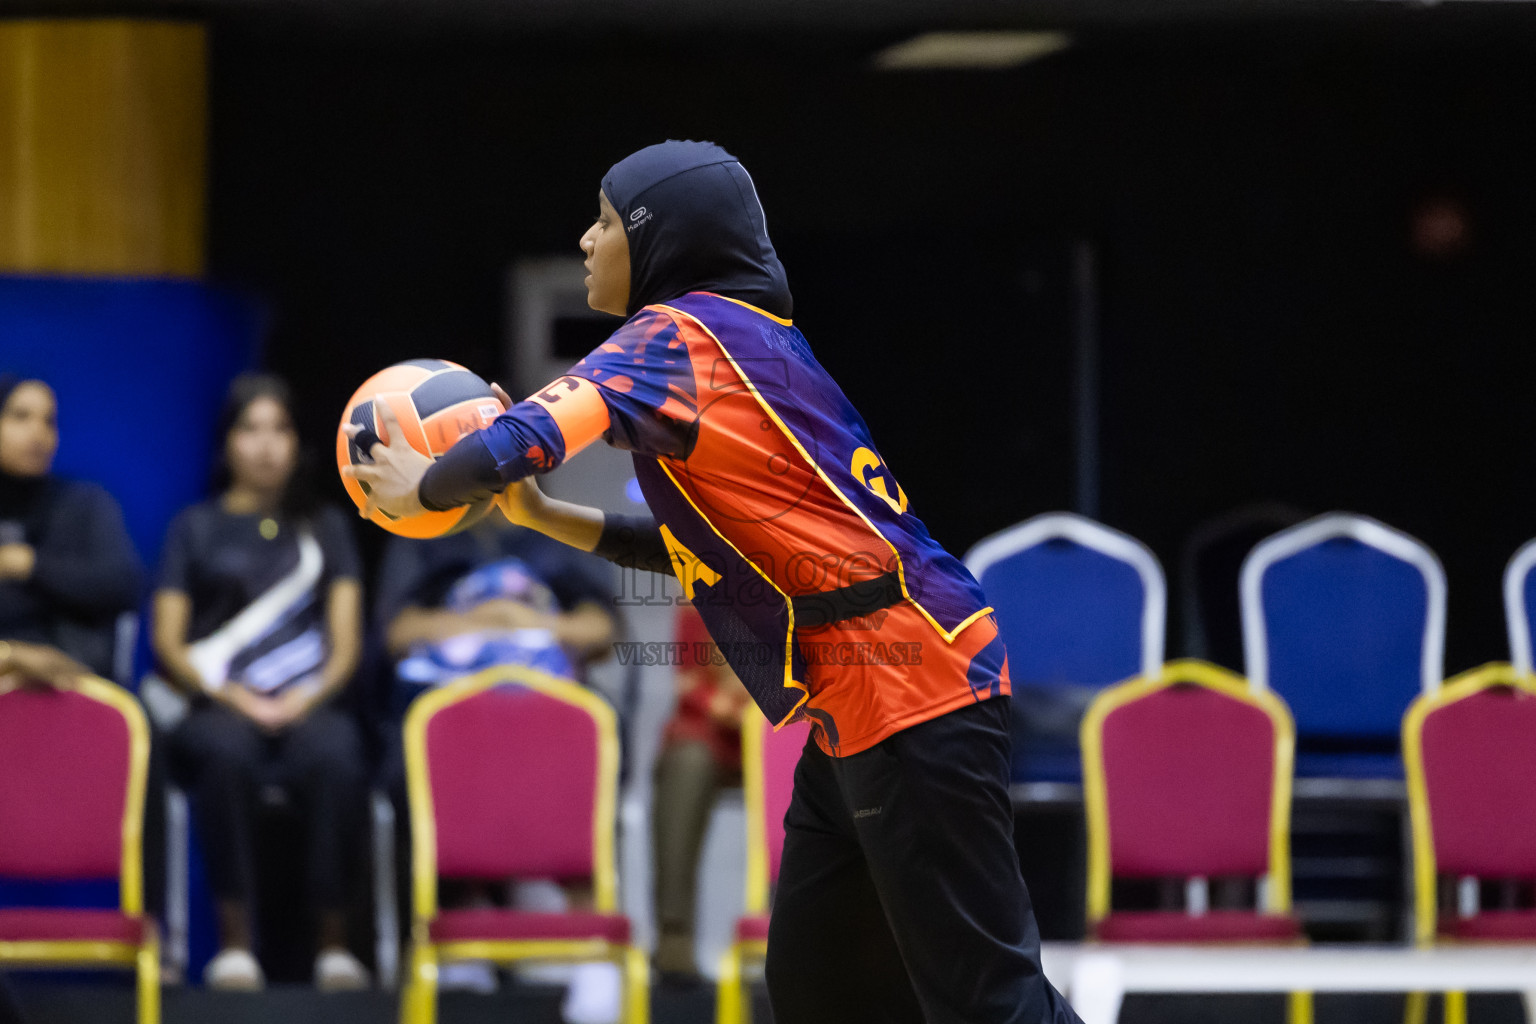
[728, 988]
[1299, 1007]
[637, 986]
[1416, 1008]
[147, 965]
[418, 998]
[1455, 1008]
[386, 923]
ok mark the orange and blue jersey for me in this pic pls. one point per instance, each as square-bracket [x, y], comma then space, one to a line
[786, 527]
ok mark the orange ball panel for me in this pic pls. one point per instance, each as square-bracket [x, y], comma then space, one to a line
[399, 402]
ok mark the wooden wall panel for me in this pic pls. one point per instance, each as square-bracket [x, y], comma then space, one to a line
[102, 147]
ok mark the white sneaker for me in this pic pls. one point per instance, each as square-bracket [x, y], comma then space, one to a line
[234, 970]
[337, 970]
[467, 976]
[543, 897]
[596, 995]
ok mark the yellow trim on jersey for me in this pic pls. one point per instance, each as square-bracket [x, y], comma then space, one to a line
[972, 618]
[755, 309]
[789, 636]
[901, 574]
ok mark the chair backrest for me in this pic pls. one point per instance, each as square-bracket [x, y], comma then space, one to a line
[768, 759]
[1520, 604]
[1187, 774]
[1079, 606]
[74, 763]
[511, 773]
[1471, 763]
[1077, 602]
[1344, 617]
[1209, 566]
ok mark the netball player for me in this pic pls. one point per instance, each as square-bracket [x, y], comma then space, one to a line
[899, 897]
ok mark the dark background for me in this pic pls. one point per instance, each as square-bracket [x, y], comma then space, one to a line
[1266, 329]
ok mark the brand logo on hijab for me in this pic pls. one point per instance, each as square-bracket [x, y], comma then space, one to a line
[639, 215]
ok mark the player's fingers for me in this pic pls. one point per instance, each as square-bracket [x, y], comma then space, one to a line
[389, 423]
[502, 397]
[363, 439]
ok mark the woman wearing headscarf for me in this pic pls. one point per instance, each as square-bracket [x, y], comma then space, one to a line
[899, 894]
[67, 566]
[257, 616]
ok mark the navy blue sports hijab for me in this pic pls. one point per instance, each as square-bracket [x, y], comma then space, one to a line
[694, 223]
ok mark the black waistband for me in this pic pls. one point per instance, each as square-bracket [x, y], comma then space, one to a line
[813, 610]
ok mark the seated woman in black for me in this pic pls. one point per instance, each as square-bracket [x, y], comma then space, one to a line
[67, 567]
[257, 617]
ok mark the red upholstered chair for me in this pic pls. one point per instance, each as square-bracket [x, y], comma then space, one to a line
[512, 773]
[72, 808]
[1187, 775]
[1470, 753]
[768, 760]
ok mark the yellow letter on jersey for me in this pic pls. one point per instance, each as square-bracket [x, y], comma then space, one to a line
[864, 461]
[688, 567]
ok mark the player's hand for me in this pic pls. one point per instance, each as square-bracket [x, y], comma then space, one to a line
[394, 477]
[501, 396]
[522, 502]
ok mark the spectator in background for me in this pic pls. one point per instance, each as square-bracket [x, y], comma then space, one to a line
[495, 594]
[67, 567]
[700, 755]
[492, 594]
[257, 619]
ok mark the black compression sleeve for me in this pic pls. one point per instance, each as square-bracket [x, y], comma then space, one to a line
[465, 474]
[633, 542]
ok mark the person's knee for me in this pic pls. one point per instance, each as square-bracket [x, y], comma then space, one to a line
[216, 741]
[327, 742]
[684, 768]
[686, 755]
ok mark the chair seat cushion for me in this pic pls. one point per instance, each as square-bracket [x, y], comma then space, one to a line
[496, 925]
[752, 929]
[1492, 926]
[69, 924]
[1215, 926]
